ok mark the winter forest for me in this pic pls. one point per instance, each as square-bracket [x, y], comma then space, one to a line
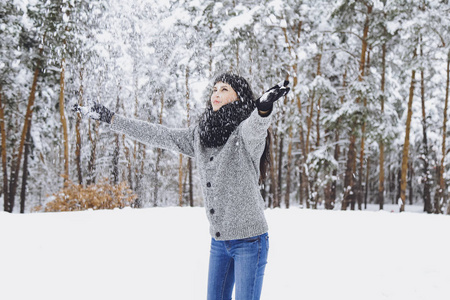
[365, 121]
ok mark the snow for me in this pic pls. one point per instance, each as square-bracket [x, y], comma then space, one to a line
[162, 253]
[239, 21]
[21, 4]
[265, 97]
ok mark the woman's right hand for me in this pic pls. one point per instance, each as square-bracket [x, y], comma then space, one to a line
[96, 112]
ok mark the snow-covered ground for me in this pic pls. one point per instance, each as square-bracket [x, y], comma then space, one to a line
[162, 253]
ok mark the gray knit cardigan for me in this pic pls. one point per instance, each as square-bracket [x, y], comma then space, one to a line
[229, 174]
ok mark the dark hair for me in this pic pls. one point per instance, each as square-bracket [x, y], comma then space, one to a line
[264, 162]
[245, 94]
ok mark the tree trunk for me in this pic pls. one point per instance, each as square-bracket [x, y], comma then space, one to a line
[410, 180]
[316, 185]
[91, 164]
[156, 177]
[275, 162]
[280, 167]
[318, 122]
[210, 60]
[137, 146]
[78, 134]
[304, 188]
[367, 183]
[188, 112]
[115, 159]
[446, 106]
[139, 202]
[359, 193]
[191, 185]
[4, 158]
[25, 171]
[309, 124]
[273, 200]
[26, 124]
[180, 170]
[135, 166]
[294, 56]
[127, 153]
[158, 158]
[405, 153]
[288, 171]
[134, 160]
[440, 201]
[426, 176]
[180, 180]
[330, 199]
[392, 184]
[116, 151]
[381, 177]
[349, 191]
[330, 202]
[348, 179]
[399, 181]
[64, 122]
[313, 181]
[337, 152]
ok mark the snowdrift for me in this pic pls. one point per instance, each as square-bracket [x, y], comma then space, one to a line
[162, 253]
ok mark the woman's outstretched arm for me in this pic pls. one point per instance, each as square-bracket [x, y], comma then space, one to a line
[176, 139]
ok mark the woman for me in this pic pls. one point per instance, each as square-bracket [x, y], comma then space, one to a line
[229, 144]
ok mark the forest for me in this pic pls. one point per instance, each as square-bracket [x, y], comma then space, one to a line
[365, 121]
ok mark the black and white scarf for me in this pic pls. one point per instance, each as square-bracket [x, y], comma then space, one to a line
[217, 126]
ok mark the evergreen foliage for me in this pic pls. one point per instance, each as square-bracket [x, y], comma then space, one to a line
[153, 59]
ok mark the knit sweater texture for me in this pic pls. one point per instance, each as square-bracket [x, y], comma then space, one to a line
[229, 173]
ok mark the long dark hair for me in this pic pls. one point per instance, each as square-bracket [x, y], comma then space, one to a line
[264, 162]
[245, 94]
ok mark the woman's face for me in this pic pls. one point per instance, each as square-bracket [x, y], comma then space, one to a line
[222, 94]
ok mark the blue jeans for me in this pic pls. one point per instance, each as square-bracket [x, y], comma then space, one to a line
[237, 261]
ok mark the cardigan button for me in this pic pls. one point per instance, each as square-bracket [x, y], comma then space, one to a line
[217, 234]
[208, 184]
[211, 211]
[211, 158]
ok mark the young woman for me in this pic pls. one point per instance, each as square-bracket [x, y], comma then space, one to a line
[229, 144]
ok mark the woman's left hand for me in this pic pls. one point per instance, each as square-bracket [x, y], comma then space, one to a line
[265, 102]
[95, 112]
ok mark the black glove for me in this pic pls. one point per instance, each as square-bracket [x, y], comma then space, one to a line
[265, 102]
[96, 112]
